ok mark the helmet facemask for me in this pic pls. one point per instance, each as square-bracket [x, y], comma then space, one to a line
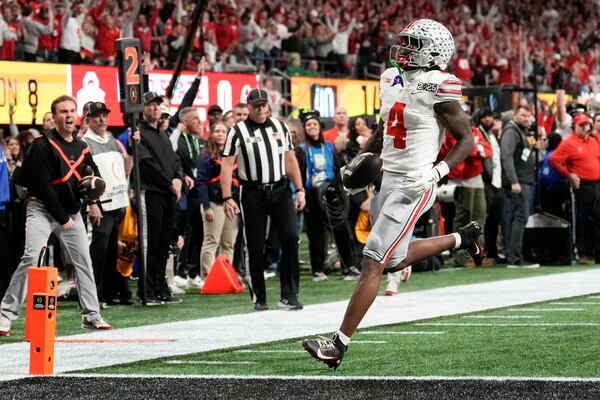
[409, 51]
[422, 44]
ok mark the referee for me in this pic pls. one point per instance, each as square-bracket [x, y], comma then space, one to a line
[262, 148]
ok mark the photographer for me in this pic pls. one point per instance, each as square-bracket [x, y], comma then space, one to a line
[325, 201]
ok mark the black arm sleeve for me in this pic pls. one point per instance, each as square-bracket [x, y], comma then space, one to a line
[187, 101]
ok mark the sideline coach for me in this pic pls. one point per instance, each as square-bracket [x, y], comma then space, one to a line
[52, 173]
[262, 148]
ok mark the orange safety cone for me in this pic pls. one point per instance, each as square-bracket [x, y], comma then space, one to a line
[222, 278]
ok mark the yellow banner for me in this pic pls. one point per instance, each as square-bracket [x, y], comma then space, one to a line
[324, 94]
[28, 85]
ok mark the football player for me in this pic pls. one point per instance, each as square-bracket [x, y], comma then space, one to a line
[418, 102]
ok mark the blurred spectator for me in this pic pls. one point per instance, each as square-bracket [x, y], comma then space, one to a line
[32, 30]
[340, 127]
[69, 50]
[554, 191]
[220, 232]
[5, 267]
[188, 147]
[18, 196]
[9, 34]
[276, 100]
[492, 178]
[107, 34]
[338, 35]
[469, 195]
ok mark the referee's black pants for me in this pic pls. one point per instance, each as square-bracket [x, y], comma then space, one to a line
[160, 219]
[257, 203]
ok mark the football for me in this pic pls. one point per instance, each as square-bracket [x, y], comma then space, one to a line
[91, 187]
[361, 171]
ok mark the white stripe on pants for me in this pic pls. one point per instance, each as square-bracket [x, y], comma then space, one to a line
[75, 246]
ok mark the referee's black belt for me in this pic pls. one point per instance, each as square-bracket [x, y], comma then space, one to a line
[263, 186]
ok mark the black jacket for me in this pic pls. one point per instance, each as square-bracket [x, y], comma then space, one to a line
[49, 178]
[159, 164]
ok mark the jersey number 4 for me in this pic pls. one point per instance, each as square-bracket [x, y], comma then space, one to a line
[395, 126]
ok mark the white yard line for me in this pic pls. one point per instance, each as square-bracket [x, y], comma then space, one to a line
[267, 326]
[369, 341]
[533, 324]
[268, 351]
[343, 378]
[418, 333]
[576, 303]
[502, 316]
[207, 362]
[545, 309]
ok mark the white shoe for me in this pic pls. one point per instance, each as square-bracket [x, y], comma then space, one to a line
[269, 275]
[175, 289]
[406, 273]
[319, 277]
[195, 283]
[393, 279]
[179, 281]
[4, 325]
[95, 322]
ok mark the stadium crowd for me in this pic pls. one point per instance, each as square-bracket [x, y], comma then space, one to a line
[497, 42]
[192, 184]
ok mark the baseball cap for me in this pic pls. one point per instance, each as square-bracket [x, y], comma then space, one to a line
[150, 97]
[582, 118]
[95, 107]
[215, 109]
[164, 110]
[257, 96]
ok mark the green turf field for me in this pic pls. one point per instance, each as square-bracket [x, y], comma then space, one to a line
[549, 339]
[195, 305]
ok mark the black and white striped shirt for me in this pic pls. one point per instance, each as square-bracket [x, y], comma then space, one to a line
[259, 149]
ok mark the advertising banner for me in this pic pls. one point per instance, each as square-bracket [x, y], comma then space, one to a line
[226, 90]
[28, 86]
[97, 84]
[323, 94]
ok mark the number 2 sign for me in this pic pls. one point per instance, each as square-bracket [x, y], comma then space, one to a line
[130, 82]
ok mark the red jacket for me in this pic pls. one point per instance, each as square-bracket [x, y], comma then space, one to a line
[579, 156]
[473, 164]
[105, 41]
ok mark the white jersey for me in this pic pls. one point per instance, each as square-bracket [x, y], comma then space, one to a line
[412, 134]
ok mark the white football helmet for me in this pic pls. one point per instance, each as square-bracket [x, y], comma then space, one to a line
[423, 43]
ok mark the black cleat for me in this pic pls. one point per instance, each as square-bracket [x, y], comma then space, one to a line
[469, 235]
[330, 351]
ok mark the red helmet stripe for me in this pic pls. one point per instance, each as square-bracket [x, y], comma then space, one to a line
[409, 26]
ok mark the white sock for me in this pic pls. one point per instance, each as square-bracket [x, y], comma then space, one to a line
[457, 240]
[343, 338]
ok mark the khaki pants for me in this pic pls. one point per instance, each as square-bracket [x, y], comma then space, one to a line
[220, 233]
